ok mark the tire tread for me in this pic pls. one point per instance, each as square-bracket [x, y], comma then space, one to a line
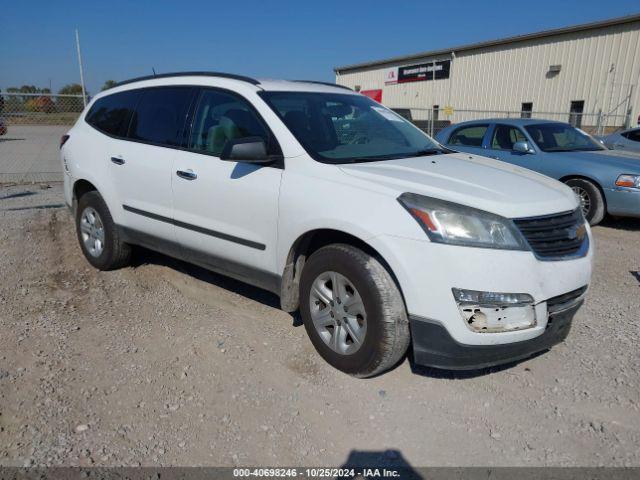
[395, 325]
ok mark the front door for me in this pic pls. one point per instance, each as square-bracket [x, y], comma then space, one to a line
[225, 210]
[500, 146]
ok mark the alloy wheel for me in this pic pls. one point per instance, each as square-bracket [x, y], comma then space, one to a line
[585, 199]
[92, 231]
[338, 312]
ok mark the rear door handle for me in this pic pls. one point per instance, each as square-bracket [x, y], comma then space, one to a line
[117, 161]
[187, 174]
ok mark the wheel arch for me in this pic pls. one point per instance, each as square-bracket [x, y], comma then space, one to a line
[80, 187]
[308, 243]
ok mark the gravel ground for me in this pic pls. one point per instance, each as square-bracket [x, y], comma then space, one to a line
[30, 153]
[164, 363]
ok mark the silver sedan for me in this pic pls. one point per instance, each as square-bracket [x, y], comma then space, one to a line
[628, 140]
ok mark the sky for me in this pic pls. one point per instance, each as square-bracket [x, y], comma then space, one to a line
[264, 39]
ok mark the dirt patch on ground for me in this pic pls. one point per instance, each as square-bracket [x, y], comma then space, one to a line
[164, 363]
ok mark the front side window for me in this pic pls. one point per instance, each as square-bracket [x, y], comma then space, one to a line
[559, 137]
[505, 136]
[470, 136]
[111, 114]
[221, 116]
[160, 115]
[345, 128]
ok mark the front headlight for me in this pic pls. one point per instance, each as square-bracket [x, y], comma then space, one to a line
[447, 222]
[629, 181]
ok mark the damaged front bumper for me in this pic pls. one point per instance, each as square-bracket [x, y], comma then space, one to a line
[433, 346]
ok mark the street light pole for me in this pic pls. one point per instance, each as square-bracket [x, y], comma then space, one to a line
[84, 93]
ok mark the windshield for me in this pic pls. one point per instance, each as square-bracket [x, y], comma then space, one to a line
[347, 128]
[558, 137]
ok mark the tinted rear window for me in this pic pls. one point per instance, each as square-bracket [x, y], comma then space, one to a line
[160, 115]
[111, 114]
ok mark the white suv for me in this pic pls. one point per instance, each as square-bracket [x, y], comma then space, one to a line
[380, 236]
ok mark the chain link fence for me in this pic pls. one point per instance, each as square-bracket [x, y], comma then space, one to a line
[31, 126]
[432, 120]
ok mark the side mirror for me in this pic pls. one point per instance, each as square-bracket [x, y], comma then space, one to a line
[522, 147]
[248, 149]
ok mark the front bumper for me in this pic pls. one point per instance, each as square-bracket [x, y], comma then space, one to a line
[426, 273]
[624, 202]
[433, 346]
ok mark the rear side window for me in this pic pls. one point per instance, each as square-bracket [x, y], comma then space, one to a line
[111, 114]
[160, 115]
[470, 136]
[504, 137]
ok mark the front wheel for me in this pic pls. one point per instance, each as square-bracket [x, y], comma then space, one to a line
[591, 199]
[353, 311]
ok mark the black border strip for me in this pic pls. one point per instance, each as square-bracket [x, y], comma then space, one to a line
[195, 228]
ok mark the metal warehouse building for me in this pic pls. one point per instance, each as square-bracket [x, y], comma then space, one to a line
[586, 74]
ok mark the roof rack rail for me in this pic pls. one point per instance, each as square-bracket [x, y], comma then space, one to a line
[324, 83]
[250, 80]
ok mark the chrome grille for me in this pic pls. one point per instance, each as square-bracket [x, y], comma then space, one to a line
[558, 236]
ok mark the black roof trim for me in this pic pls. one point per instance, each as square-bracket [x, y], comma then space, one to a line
[323, 83]
[232, 76]
[491, 43]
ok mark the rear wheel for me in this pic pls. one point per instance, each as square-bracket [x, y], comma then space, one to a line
[591, 199]
[353, 311]
[98, 236]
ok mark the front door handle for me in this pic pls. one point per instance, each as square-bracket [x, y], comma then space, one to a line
[187, 174]
[117, 161]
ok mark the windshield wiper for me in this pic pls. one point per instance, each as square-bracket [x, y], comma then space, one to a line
[427, 152]
[379, 158]
[371, 159]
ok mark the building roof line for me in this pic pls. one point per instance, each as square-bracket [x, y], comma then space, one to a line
[491, 43]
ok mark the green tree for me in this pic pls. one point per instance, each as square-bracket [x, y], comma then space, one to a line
[28, 89]
[71, 89]
[109, 84]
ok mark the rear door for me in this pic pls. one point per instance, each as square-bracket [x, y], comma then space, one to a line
[469, 138]
[226, 212]
[142, 163]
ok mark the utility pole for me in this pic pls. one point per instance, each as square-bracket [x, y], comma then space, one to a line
[84, 93]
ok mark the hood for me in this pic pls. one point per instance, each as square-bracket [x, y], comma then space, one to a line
[471, 180]
[626, 162]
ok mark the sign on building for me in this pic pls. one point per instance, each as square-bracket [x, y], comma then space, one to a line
[418, 73]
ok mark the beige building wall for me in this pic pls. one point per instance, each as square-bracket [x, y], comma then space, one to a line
[600, 66]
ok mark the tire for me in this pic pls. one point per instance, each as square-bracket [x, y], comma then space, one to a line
[591, 193]
[384, 319]
[114, 252]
